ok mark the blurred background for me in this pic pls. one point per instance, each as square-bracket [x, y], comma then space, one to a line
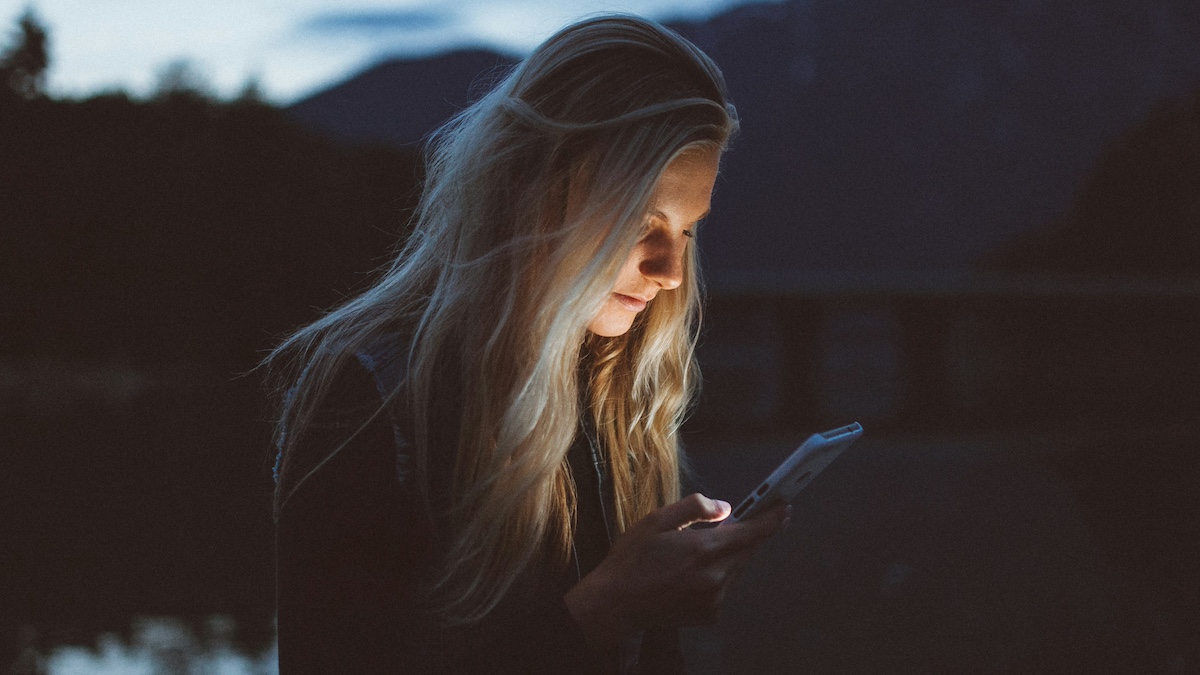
[973, 227]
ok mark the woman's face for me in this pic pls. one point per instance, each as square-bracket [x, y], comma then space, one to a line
[655, 264]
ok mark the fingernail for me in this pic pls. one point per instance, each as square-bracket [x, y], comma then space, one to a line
[723, 505]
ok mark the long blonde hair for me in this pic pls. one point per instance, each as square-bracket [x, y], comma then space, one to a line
[533, 198]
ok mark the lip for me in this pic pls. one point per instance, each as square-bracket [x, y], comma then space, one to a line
[630, 302]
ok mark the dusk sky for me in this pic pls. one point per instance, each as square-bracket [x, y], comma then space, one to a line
[291, 47]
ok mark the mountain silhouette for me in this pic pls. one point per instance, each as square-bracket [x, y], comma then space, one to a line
[878, 138]
[398, 102]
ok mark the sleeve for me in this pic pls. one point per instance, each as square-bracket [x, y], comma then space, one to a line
[347, 554]
[531, 631]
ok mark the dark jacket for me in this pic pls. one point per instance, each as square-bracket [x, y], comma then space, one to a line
[351, 550]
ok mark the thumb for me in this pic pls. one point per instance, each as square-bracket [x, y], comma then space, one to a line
[694, 508]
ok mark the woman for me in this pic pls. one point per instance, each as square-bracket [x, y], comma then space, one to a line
[479, 465]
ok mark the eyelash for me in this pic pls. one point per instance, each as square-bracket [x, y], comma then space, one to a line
[690, 234]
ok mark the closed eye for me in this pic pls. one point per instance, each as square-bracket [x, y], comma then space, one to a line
[689, 231]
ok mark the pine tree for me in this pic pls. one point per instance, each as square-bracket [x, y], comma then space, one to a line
[23, 65]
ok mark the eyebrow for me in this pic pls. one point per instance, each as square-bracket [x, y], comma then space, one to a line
[660, 214]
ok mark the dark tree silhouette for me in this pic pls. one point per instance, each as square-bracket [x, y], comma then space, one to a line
[251, 92]
[182, 228]
[177, 238]
[23, 65]
[181, 78]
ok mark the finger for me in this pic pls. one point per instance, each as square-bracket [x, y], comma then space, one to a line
[694, 508]
[753, 532]
[770, 518]
[737, 563]
[734, 574]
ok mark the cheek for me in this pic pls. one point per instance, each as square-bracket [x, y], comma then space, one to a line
[613, 319]
[630, 273]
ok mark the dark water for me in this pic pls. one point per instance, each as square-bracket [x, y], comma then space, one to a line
[134, 494]
[954, 554]
[138, 539]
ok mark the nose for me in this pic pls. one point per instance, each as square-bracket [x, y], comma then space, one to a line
[662, 262]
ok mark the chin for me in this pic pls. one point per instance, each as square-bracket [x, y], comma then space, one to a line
[610, 326]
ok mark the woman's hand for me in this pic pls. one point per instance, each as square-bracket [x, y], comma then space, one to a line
[660, 572]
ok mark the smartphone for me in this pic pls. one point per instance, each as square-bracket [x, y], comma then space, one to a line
[797, 471]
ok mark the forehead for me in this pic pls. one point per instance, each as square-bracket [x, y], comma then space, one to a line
[685, 188]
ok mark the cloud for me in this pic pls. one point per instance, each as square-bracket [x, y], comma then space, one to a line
[377, 22]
